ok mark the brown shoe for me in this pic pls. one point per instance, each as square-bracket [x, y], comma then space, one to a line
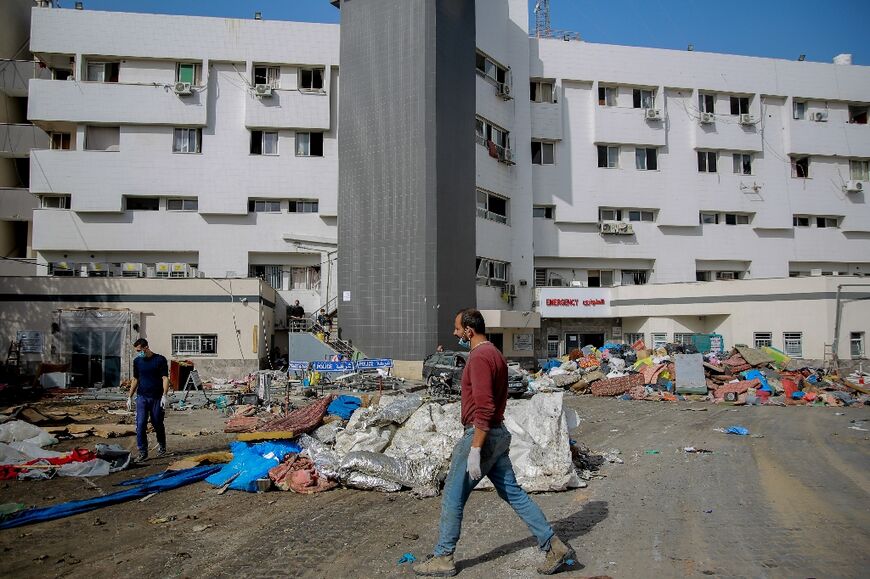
[436, 566]
[558, 555]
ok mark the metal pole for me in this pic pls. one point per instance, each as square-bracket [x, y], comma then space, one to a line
[835, 345]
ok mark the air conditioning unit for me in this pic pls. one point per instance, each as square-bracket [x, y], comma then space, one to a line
[132, 269]
[820, 116]
[63, 269]
[609, 227]
[708, 118]
[183, 88]
[577, 283]
[95, 267]
[263, 90]
[653, 115]
[746, 119]
[179, 270]
[504, 90]
[624, 228]
[506, 156]
[555, 282]
[162, 269]
[854, 186]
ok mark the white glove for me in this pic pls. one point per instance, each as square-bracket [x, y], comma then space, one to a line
[163, 401]
[129, 404]
[474, 464]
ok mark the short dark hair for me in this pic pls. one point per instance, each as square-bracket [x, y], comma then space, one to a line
[140, 343]
[472, 318]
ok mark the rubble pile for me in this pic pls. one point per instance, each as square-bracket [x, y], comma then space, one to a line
[677, 372]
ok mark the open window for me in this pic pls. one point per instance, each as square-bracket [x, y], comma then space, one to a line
[858, 114]
[543, 153]
[643, 98]
[800, 167]
[267, 75]
[646, 159]
[311, 79]
[742, 163]
[309, 144]
[61, 141]
[707, 161]
[143, 203]
[492, 207]
[739, 105]
[264, 143]
[608, 156]
[542, 91]
[607, 96]
[707, 102]
[189, 72]
[103, 71]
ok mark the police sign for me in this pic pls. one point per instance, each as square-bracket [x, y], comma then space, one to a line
[324, 366]
[297, 365]
[374, 363]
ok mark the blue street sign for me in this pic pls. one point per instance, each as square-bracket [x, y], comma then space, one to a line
[374, 363]
[325, 366]
[297, 365]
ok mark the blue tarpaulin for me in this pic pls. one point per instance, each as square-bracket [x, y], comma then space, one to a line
[343, 406]
[154, 485]
[252, 461]
[752, 374]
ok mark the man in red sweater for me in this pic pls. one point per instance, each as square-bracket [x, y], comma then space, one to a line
[483, 451]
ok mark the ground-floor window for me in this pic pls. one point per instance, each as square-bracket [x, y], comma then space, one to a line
[271, 274]
[552, 346]
[856, 344]
[683, 338]
[633, 338]
[194, 344]
[793, 344]
[659, 340]
[762, 339]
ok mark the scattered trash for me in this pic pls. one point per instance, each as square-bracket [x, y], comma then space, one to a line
[693, 450]
[651, 452]
[200, 528]
[406, 558]
[858, 428]
[162, 520]
[738, 430]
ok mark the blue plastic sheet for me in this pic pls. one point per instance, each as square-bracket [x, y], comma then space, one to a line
[252, 461]
[752, 374]
[343, 406]
[550, 364]
[738, 430]
[171, 481]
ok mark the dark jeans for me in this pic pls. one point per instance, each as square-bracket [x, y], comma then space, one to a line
[145, 408]
[495, 464]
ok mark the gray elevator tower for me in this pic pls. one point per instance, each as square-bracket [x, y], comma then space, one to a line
[406, 219]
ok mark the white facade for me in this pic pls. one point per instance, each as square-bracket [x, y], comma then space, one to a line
[547, 213]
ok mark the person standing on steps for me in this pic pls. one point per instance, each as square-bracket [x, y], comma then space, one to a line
[483, 451]
[151, 383]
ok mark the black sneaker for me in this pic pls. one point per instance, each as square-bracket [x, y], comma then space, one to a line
[161, 451]
[141, 458]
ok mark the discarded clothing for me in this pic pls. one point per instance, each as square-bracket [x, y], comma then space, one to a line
[298, 474]
[175, 480]
[617, 386]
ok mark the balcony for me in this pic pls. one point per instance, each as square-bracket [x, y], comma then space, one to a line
[726, 133]
[630, 126]
[114, 103]
[832, 138]
[17, 204]
[16, 140]
[16, 74]
[288, 109]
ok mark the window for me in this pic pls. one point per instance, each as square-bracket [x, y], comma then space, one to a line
[643, 98]
[264, 206]
[762, 339]
[659, 340]
[858, 169]
[736, 219]
[645, 159]
[633, 277]
[194, 344]
[542, 92]
[800, 167]
[182, 204]
[492, 207]
[492, 272]
[188, 72]
[742, 163]
[271, 274]
[103, 71]
[709, 218]
[187, 141]
[600, 278]
[707, 103]
[610, 214]
[540, 277]
[683, 338]
[640, 215]
[799, 110]
[552, 346]
[54, 201]
[826, 222]
[267, 75]
[102, 138]
[491, 69]
[858, 115]
[856, 344]
[607, 96]
[309, 144]
[727, 275]
[61, 141]
[305, 278]
[801, 221]
[633, 337]
[143, 203]
[608, 157]
[793, 344]
[542, 153]
[303, 206]
[311, 78]
[264, 143]
[707, 161]
[487, 133]
[739, 105]
[543, 211]
[702, 275]
[61, 74]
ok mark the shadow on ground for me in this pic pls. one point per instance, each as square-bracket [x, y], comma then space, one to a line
[568, 529]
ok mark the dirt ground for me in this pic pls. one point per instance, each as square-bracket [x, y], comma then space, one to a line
[793, 503]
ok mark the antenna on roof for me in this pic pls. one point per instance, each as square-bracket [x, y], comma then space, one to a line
[542, 19]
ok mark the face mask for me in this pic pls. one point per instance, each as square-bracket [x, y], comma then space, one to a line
[464, 343]
[140, 354]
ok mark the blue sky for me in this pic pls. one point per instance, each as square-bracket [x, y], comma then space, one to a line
[774, 28]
